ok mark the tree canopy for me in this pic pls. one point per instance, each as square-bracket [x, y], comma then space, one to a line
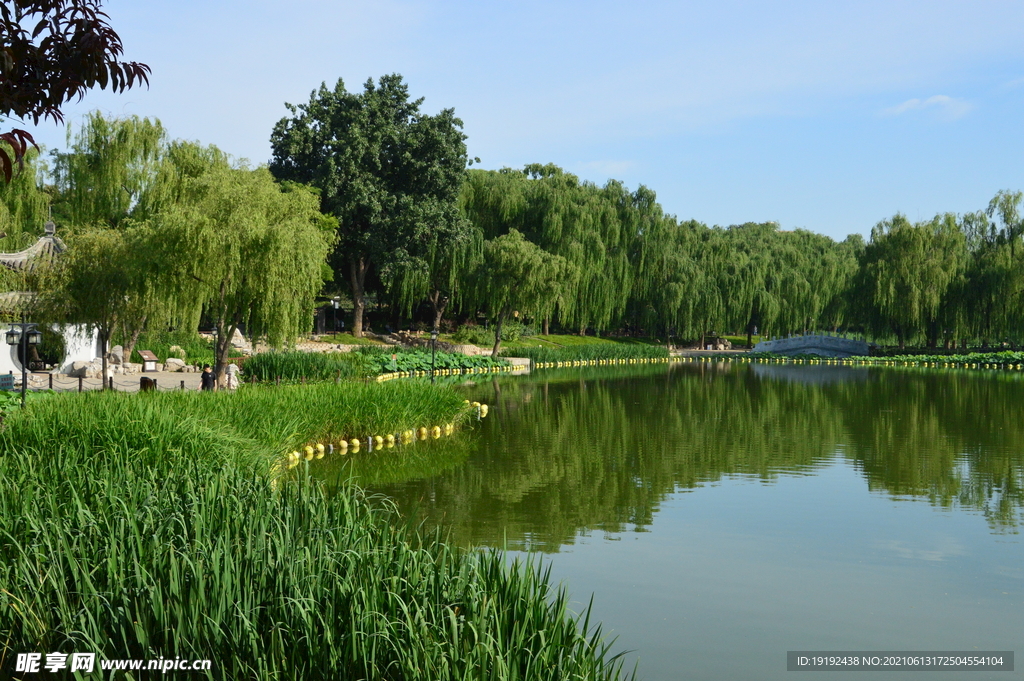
[389, 173]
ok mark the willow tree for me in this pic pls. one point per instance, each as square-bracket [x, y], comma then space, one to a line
[101, 277]
[598, 230]
[517, 276]
[110, 166]
[389, 173]
[24, 205]
[245, 251]
[906, 271]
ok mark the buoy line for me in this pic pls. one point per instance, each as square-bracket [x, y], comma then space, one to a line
[344, 446]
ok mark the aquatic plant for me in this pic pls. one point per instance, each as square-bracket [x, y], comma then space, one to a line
[312, 366]
[145, 526]
[592, 352]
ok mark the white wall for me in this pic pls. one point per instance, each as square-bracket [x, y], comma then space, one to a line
[82, 346]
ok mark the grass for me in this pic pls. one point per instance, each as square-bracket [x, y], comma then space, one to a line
[145, 526]
[741, 341]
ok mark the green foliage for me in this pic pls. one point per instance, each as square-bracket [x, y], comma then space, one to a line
[380, 360]
[312, 366]
[1005, 357]
[475, 335]
[23, 204]
[253, 254]
[517, 275]
[110, 166]
[170, 541]
[194, 349]
[390, 174]
[10, 400]
[906, 271]
[588, 352]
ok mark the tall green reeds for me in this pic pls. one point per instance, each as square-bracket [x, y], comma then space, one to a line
[145, 526]
[588, 352]
[312, 366]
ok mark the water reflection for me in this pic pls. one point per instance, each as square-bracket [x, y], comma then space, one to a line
[576, 450]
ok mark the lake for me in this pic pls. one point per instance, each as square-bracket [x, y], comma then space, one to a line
[723, 514]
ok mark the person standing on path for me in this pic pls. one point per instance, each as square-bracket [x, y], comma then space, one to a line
[207, 381]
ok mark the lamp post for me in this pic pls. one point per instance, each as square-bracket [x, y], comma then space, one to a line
[433, 351]
[25, 334]
[334, 316]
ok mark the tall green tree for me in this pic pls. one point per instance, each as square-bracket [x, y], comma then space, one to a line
[245, 251]
[906, 271]
[111, 164]
[102, 277]
[24, 205]
[388, 172]
[517, 276]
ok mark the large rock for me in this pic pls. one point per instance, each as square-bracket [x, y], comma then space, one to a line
[86, 370]
[238, 341]
[116, 355]
[174, 364]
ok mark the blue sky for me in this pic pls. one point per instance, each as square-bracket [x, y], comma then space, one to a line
[816, 115]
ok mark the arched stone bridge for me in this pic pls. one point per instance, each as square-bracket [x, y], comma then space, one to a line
[814, 344]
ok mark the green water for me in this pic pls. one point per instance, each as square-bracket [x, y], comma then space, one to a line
[723, 514]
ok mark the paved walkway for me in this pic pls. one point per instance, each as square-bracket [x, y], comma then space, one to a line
[165, 380]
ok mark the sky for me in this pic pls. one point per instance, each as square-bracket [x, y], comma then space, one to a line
[821, 116]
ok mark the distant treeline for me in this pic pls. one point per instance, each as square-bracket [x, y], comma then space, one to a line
[611, 260]
[436, 242]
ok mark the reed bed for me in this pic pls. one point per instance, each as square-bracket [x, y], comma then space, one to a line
[145, 526]
[592, 352]
[312, 366]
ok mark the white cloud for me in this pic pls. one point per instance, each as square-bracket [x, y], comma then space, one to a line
[951, 108]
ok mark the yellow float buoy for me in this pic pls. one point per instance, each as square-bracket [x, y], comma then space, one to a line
[448, 429]
[483, 410]
[390, 439]
[422, 433]
[354, 442]
[435, 432]
[309, 452]
[378, 441]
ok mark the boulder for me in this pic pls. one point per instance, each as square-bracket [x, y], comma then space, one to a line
[174, 364]
[131, 367]
[116, 355]
[238, 340]
[86, 370]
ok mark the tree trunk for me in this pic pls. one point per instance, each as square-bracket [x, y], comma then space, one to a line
[497, 337]
[440, 303]
[547, 330]
[133, 338]
[225, 332]
[104, 337]
[357, 271]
